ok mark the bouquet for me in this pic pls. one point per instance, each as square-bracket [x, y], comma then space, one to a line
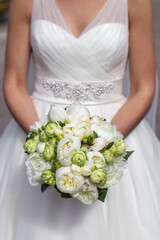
[79, 155]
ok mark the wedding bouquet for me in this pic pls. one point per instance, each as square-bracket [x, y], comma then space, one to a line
[81, 156]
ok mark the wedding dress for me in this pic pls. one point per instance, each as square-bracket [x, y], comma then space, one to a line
[89, 68]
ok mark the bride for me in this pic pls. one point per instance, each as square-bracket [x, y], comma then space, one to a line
[80, 50]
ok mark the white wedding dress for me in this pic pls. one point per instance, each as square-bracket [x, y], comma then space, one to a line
[89, 68]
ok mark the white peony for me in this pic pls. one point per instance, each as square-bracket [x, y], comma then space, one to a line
[77, 113]
[42, 122]
[66, 147]
[67, 181]
[99, 144]
[67, 130]
[88, 193]
[106, 131]
[82, 130]
[96, 159]
[35, 167]
[57, 113]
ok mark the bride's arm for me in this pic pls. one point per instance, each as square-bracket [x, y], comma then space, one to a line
[17, 64]
[142, 67]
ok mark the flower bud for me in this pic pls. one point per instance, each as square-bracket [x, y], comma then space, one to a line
[86, 170]
[30, 146]
[40, 147]
[58, 132]
[78, 158]
[120, 147]
[48, 177]
[59, 137]
[99, 177]
[43, 137]
[48, 153]
[53, 142]
[108, 156]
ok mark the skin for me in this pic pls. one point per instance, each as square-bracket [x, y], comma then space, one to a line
[77, 15]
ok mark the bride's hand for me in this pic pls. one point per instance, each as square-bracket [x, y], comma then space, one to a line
[17, 64]
[142, 67]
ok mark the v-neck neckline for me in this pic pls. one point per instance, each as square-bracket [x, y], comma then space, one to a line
[87, 26]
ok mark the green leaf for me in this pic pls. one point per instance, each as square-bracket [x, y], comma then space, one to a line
[44, 187]
[26, 152]
[61, 123]
[95, 168]
[102, 194]
[90, 140]
[32, 135]
[109, 145]
[95, 134]
[43, 127]
[65, 195]
[128, 154]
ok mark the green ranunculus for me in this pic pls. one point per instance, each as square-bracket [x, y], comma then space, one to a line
[50, 129]
[108, 156]
[78, 158]
[120, 147]
[48, 177]
[99, 177]
[48, 153]
[53, 142]
[30, 146]
[43, 137]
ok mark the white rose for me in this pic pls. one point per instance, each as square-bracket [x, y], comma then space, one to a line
[96, 159]
[86, 170]
[77, 113]
[42, 122]
[76, 169]
[35, 166]
[65, 148]
[99, 144]
[57, 113]
[67, 181]
[88, 194]
[106, 131]
[41, 147]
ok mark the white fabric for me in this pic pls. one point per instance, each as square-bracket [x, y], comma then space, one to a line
[131, 209]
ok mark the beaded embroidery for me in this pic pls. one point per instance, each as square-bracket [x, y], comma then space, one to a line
[82, 92]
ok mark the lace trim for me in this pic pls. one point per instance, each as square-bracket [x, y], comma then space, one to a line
[82, 92]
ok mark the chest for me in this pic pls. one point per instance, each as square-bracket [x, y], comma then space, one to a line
[79, 14]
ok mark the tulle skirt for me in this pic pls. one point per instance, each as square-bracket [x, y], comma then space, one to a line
[131, 209]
